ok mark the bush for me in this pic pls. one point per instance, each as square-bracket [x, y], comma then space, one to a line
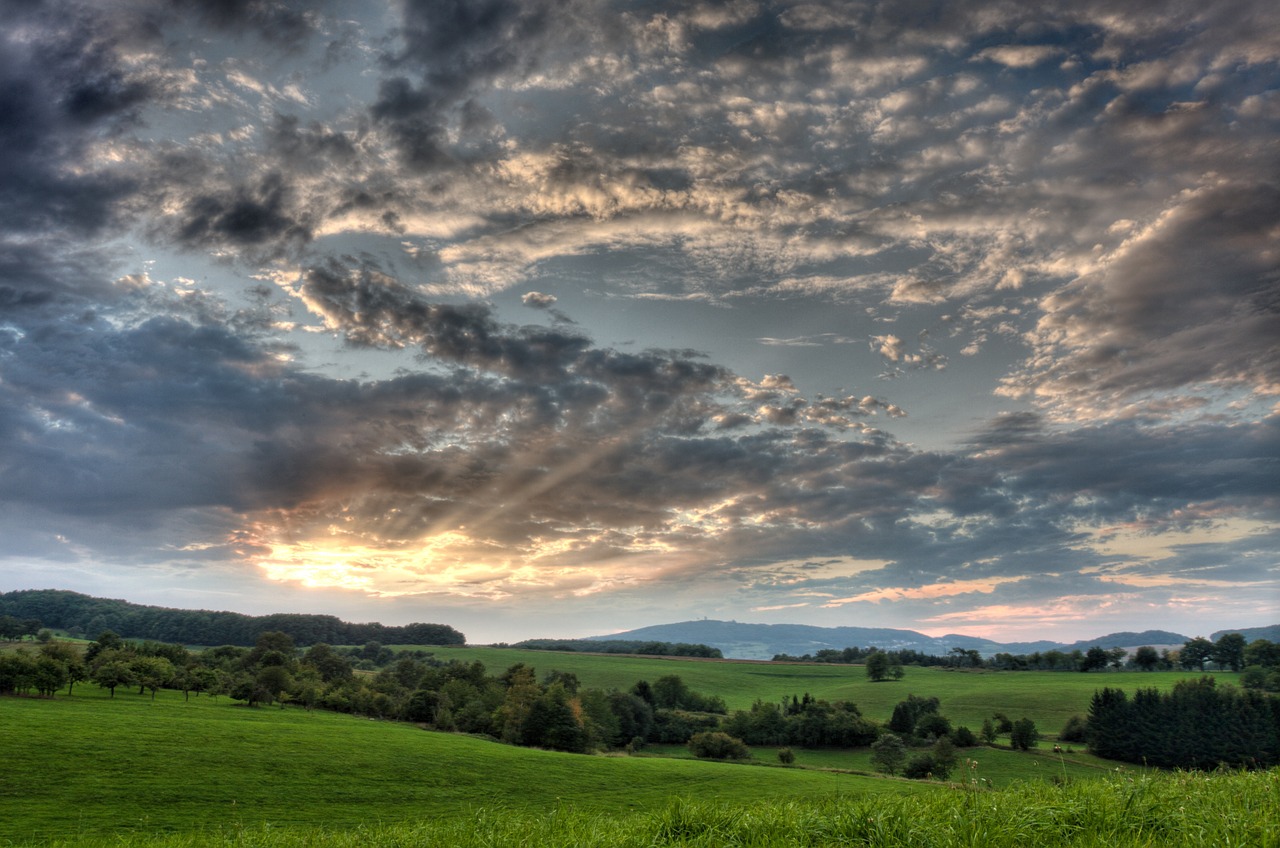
[715, 745]
[963, 737]
[1073, 730]
[925, 766]
[786, 756]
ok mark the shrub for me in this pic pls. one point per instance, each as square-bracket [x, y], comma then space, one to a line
[963, 737]
[888, 753]
[786, 756]
[1073, 730]
[715, 745]
[925, 766]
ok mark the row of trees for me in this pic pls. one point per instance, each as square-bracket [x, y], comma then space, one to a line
[1197, 724]
[86, 616]
[648, 648]
[1229, 653]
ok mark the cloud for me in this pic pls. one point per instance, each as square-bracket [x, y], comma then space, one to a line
[538, 300]
[1187, 304]
[1076, 201]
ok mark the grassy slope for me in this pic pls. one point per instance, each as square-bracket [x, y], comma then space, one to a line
[85, 764]
[1048, 698]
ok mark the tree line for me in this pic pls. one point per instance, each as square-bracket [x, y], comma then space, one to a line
[1259, 659]
[1196, 725]
[84, 616]
[648, 648]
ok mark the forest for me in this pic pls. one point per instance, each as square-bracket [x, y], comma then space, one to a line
[86, 617]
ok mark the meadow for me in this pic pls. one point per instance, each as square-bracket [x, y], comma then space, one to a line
[86, 764]
[967, 696]
[88, 769]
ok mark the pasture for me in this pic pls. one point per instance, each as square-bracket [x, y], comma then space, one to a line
[1048, 698]
[85, 765]
[87, 769]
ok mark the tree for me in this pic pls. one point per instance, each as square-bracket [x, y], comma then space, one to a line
[1024, 735]
[112, 673]
[1195, 653]
[988, 731]
[275, 683]
[1228, 651]
[907, 713]
[888, 753]
[1146, 658]
[152, 673]
[48, 675]
[933, 726]
[1262, 652]
[670, 692]
[1095, 658]
[877, 666]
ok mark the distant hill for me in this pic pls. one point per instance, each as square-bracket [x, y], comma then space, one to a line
[87, 616]
[738, 640]
[1270, 633]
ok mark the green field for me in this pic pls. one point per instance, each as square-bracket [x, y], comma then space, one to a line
[86, 764]
[86, 769]
[1048, 698]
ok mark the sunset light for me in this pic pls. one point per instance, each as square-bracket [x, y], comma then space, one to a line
[566, 318]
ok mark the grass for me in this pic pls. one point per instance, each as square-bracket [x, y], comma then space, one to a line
[1048, 698]
[991, 766]
[83, 765]
[1120, 812]
[89, 770]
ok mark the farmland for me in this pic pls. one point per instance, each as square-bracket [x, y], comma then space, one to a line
[87, 768]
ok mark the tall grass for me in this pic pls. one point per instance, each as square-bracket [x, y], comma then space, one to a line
[1239, 809]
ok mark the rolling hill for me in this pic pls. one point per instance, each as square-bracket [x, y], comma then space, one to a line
[739, 640]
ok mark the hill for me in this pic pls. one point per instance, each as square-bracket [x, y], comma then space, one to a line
[739, 640]
[87, 616]
[1270, 633]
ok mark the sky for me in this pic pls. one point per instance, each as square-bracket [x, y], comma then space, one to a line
[554, 318]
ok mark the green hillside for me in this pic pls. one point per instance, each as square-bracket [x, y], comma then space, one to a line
[87, 764]
[1047, 697]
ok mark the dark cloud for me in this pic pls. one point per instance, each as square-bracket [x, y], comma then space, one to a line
[282, 24]
[232, 320]
[61, 90]
[244, 217]
[1190, 303]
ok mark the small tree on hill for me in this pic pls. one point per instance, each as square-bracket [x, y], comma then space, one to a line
[877, 666]
[1024, 735]
[888, 753]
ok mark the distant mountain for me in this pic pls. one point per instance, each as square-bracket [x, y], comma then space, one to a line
[1271, 633]
[738, 640]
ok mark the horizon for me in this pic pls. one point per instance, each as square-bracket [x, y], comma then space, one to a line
[531, 316]
[1065, 640]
